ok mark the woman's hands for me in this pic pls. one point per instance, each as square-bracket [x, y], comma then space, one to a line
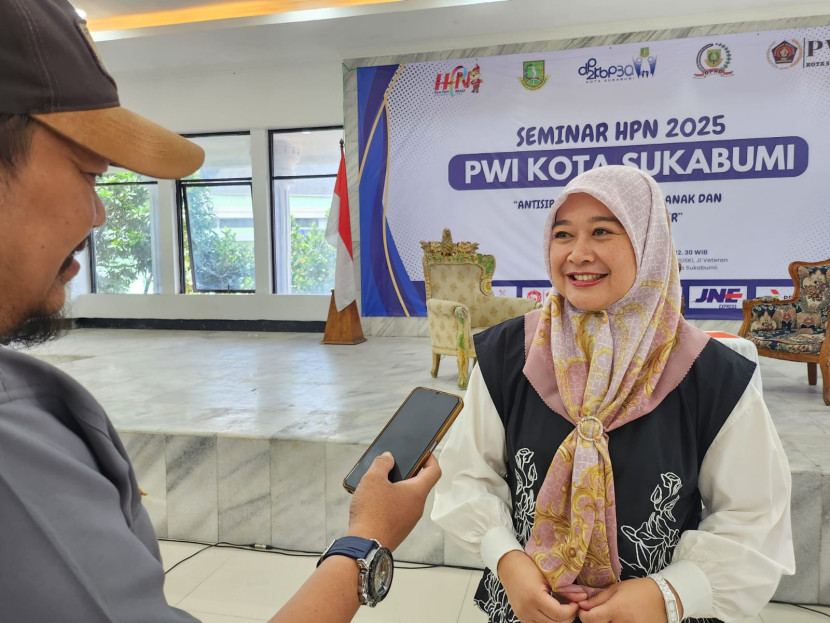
[529, 595]
[529, 592]
[626, 602]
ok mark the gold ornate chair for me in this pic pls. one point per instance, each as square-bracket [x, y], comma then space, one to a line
[795, 328]
[460, 301]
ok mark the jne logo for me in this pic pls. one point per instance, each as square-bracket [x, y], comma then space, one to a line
[719, 297]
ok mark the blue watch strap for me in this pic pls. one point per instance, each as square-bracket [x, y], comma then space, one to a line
[351, 546]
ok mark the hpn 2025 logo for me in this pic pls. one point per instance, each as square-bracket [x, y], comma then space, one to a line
[458, 81]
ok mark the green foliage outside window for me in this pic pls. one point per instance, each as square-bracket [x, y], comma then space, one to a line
[221, 261]
[123, 246]
[312, 260]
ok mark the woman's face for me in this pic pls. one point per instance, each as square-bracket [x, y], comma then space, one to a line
[592, 262]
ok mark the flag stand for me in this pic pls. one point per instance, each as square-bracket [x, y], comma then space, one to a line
[343, 327]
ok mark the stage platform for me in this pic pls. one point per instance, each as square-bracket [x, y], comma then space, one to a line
[246, 437]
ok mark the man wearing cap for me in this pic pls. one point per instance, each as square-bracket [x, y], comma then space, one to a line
[75, 542]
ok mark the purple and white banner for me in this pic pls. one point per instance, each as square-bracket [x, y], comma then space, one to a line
[735, 128]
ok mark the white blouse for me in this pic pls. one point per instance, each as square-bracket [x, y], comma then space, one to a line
[728, 568]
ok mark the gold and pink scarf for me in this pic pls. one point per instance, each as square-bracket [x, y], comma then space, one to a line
[601, 370]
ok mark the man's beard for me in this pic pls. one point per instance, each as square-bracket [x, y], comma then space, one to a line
[38, 328]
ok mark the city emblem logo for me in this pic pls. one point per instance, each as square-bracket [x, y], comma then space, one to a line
[785, 54]
[713, 58]
[645, 64]
[533, 75]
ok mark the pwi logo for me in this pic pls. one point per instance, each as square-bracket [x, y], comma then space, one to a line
[716, 298]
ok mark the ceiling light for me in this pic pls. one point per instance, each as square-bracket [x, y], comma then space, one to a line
[219, 11]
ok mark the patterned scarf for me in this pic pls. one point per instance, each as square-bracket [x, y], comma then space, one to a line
[601, 370]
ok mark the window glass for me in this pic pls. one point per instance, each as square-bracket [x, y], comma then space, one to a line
[218, 238]
[124, 253]
[304, 169]
[227, 156]
[217, 218]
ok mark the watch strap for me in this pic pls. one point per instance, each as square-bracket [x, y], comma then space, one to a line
[672, 611]
[351, 546]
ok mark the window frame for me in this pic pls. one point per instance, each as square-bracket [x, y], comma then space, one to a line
[181, 208]
[273, 178]
[91, 247]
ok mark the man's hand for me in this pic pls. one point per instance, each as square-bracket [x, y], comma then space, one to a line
[529, 592]
[388, 511]
[627, 602]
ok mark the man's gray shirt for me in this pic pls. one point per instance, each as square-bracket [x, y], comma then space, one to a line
[75, 541]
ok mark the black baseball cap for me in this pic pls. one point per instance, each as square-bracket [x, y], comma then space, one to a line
[50, 70]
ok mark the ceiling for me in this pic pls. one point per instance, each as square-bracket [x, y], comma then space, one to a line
[391, 27]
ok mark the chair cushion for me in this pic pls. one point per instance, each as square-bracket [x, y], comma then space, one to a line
[456, 282]
[786, 341]
[814, 288]
[768, 317]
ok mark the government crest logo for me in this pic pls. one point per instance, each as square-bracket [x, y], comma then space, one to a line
[533, 75]
[713, 58]
[785, 54]
[646, 64]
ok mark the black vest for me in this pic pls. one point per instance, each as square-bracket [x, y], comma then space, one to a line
[656, 458]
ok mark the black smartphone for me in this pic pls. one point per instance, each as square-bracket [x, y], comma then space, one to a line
[412, 433]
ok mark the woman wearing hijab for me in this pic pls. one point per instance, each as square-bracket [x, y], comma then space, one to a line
[612, 463]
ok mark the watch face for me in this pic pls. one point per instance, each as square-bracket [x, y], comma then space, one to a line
[380, 575]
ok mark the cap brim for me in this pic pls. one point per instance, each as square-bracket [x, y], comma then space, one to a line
[128, 140]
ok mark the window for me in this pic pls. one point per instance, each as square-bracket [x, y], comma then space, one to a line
[303, 171]
[123, 253]
[216, 218]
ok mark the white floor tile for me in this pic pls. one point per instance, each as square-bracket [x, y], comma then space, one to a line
[418, 595]
[250, 584]
[186, 577]
[173, 552]
[470, 613]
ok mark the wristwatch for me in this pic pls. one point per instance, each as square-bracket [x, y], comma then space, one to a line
[672, 611]
[374, 561]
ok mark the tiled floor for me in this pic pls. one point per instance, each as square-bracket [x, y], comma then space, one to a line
[222, 585]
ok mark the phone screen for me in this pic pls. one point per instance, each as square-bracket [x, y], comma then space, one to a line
[414, 430]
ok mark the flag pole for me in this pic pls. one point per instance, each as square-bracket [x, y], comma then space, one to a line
[343, 326]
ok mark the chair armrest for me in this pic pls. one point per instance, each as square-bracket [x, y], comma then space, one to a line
[443, 307]
[449, 324]
[492, 310]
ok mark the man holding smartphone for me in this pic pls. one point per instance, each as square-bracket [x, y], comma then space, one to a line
[76, 543]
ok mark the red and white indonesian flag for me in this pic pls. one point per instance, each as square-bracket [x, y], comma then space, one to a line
[339, 235]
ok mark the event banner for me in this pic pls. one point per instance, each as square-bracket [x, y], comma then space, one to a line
[734, 128]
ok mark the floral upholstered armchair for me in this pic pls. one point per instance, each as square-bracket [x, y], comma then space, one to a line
[795, 328]
[460, 300]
